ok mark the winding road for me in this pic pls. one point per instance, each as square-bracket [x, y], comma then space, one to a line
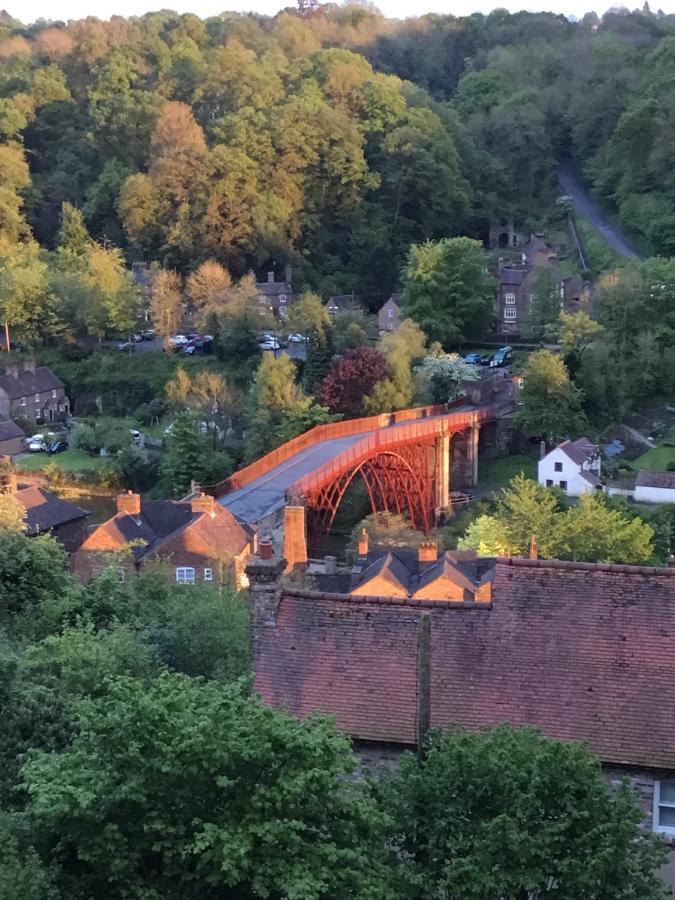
[589, 209]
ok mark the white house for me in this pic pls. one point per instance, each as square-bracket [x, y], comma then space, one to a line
[573, 466]
[654, 487]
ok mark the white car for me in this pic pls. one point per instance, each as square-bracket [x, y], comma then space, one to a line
[297, 338]
[271, 344]
[178, 340]
[37, 444]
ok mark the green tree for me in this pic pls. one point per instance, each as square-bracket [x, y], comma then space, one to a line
[22, 872]
[400, 349]
[73, 235]
[551, 403]
[593, 532]
[442, 375]
[460, 812]
[12, 514]
[185, 787]
[190, 457]
[544, 310]
[447, 289]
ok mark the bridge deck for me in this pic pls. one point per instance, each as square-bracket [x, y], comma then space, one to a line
[265, 494]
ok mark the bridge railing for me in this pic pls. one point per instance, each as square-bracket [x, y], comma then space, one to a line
[389, 439]
[330, 431]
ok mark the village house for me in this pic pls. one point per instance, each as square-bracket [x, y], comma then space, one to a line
[11, 438]
[654, 487]
[199, 540]
[389, 315]
[48, 514]
[573, 466]
[276, 296]
[581, 651]
[516, 292]
[33, 393]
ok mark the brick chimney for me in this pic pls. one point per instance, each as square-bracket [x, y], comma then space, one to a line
[264, 577]
[204, 503]
[542, 449]
[534, 553]
[129, 503]
[427, 552]
[29, 365]
[363, 543]
[295, 536]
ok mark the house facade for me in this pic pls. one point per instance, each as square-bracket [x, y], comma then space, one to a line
[275, 296]
[389, 315]
[581, 651]
[654, 487]
[573, 466]
[197, 539]
[33, 393]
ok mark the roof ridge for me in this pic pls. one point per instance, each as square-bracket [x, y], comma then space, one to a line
[617, 568]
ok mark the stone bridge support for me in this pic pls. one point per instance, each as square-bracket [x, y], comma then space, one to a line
[442, 473]
[472, 450]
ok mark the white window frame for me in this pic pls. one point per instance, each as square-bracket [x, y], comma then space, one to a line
[510, 314]
[54, 394]
[390, 313]
[510, 298]
[208, 574]
[23, 401]
[37, 398]
[657, 827]
[183, 575]
[38, 413]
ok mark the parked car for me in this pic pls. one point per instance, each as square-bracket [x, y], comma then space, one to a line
[126, 345]
[57, 447]
[271, 344]
[147, 335]
[476, 359]
[297, 338]
[178, 340]
[37, 444]
[501, 358]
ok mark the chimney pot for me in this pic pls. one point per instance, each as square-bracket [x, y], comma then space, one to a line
[129, 503]
[363, 543]
[427, 552]
[265, 549]
[203, 503]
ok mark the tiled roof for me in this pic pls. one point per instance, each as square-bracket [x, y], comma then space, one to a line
[27, 383]
[582, 651]
[648, 478]
[10, 430]
[45, 510]
[387, 568]
[579, 451]
[512, 276]
[274, 288]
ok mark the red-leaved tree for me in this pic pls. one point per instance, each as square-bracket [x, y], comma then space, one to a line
[351, 378]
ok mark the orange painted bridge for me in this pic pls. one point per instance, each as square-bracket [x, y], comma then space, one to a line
[409, 461]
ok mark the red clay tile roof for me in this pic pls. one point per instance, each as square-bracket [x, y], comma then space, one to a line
[582, 651]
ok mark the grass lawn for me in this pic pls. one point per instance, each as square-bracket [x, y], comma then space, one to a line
[69, 461]
[494, 474]
[656, 459]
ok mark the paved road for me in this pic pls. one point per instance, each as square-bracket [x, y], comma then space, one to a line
[590, 210]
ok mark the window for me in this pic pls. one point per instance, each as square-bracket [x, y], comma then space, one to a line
[185, 575]
[54, 395]
[664, 807]
[563, 485]
[37, 398]
[549, 482]
[558, 467]
[531, 299]
[208, 574]
[282, 299]
[390, 313]
[61, 407]
[37, 413]
[510, 298]
[23, 401]
[510, 313]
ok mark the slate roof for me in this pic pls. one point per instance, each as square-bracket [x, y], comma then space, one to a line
[402, 568]
[45, 510]
[10, 430]
[273, 288]
[579, 451]
[512, 276]
[649, 478]
[580, 650]
[28, 383]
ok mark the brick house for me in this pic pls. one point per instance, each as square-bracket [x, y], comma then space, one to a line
[516, 292]
[48, 514]
[198, 539]
[275, 296]
[581, 651]
[11, 438]
[389, 315]
[33, 393]
[344, 303]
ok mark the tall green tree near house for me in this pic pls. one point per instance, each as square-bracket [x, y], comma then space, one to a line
[447, 289]
[551, 403]
[511, 813]
[190, 456]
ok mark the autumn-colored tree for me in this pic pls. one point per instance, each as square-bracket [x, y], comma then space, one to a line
[400, 348]
[166, 304]
[209, 289]
[351, 380]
